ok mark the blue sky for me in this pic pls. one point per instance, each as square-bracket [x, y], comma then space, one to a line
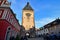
[45, 11]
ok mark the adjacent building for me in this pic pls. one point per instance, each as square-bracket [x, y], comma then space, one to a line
[42, 31]
[52, 27]
[9, 26]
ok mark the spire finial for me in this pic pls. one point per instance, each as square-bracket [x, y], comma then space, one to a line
[27, 3]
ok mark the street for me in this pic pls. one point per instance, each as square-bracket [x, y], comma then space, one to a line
[35, 38]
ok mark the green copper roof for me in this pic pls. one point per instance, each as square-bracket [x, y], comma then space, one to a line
[27, 7]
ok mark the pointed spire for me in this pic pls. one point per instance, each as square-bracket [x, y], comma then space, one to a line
[27, 7]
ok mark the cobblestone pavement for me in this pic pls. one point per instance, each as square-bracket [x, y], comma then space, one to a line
[35, 38]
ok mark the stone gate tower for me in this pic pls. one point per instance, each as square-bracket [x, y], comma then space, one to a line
[28, 17]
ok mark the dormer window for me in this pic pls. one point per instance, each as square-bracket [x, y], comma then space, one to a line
[48, 25]
[54, 22]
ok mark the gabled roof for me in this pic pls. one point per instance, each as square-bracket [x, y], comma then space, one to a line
[27, 7]
[55, 22]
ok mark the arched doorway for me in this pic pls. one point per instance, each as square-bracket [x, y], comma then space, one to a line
[8, 33]
[27, 34]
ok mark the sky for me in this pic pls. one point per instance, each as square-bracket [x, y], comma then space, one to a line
[45, 11]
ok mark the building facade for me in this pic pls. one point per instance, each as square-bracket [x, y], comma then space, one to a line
[9, 26]
[42, 31]
[53, 27]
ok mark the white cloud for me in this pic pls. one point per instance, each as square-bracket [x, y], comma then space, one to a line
[44, 21]
[20, 22]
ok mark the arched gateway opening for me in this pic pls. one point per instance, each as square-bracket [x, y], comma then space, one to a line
[8, 33]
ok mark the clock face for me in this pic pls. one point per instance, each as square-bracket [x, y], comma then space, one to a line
[28, 14]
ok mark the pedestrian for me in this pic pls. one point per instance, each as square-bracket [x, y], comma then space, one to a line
[47, 36]
[44, 36]
[12, 38]
[58, 36]
[53, 36]
[22, 38]
[25, 38]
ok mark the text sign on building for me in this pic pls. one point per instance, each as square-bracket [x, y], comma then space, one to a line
[1, 12]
